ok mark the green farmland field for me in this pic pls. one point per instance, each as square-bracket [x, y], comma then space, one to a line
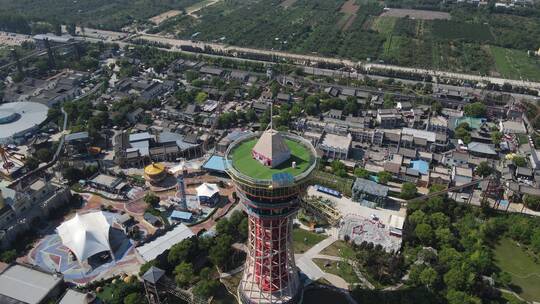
[515, 64]
[445, 29]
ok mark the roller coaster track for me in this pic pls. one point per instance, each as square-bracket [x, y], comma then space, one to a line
[38, 53]
[445, 191]
[185, 295]
[315, 206]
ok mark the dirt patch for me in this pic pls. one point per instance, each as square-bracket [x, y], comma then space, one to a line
[348, 23]
[350, 7]
[164, 16]
[415, 14]
[287, 3]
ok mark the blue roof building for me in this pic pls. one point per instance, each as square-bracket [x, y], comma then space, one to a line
[420, 166]
[181, 216]
[215, 164]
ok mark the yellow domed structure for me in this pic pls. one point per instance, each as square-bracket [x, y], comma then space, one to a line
[155, 172]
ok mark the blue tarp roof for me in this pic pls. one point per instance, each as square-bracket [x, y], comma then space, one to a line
[182, 215]
[420, 166]
[215, 163]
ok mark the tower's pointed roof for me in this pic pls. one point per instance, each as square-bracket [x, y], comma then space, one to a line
[272, 146]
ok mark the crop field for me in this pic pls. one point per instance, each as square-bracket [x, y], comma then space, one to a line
[416, 14]
[384, 25]
[444, 29]
[515, 64]
[103, 14]
[348, 10]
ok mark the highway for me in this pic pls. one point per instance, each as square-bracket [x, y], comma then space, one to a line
[307, 59]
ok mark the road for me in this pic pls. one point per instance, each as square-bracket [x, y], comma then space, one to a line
[348, 63]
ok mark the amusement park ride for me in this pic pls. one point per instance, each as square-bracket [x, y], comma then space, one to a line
[10, 161]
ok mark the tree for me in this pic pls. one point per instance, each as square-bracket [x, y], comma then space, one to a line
[476, 109]
[428, 277]
[436, 188]
[73, 175]
[424, 232]
[151, 199]
[221, 252]
[388, 102]
[8, 256]
[462, 132]
[532, 201]
[535, 241]
[520, 161]
[186, 250]
[483, 169]
[134, 298]
[205, 288]
[408, 191]
[362, 173]
[339, 168]
[183, 274]
[459, 297]
[71, 29]
[201, 97]
[44, 155]
[496, 137]
[384, 177]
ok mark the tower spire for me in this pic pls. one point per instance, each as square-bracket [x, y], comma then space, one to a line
[271, 115]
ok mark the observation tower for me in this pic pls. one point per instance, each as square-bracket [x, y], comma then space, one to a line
[270, 170]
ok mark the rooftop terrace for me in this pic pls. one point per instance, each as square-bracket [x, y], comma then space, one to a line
[244, 163]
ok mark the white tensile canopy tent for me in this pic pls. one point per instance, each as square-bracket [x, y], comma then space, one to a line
[207, 190]
[86, 235]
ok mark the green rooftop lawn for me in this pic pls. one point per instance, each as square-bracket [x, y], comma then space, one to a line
[244, 162]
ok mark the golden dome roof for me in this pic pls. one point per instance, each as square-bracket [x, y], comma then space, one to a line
[154, 169]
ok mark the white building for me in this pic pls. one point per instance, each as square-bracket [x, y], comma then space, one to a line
[512, 127]
[336, 146]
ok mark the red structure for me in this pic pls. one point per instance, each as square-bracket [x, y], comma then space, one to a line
[270, 273]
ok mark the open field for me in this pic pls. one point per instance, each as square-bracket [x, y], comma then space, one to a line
[339, 249]
[303, 240]
[341, 269]
[164, 16]
[246, 164]
[524, 271]
[384, 25]
[515, 64]
[415, 14]
[451, 30]
[287, 3]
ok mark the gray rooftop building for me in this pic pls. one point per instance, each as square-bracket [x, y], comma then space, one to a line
[24, 285]
[369, 193]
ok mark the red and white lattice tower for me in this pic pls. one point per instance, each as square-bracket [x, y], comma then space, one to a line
[271, 201]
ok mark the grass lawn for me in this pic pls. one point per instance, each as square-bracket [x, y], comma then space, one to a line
[339, 249]
[524, 271]
[384, 25]
[344, 270]
[245, 163]
[522, 139]
[304, 240]
[515, 64]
